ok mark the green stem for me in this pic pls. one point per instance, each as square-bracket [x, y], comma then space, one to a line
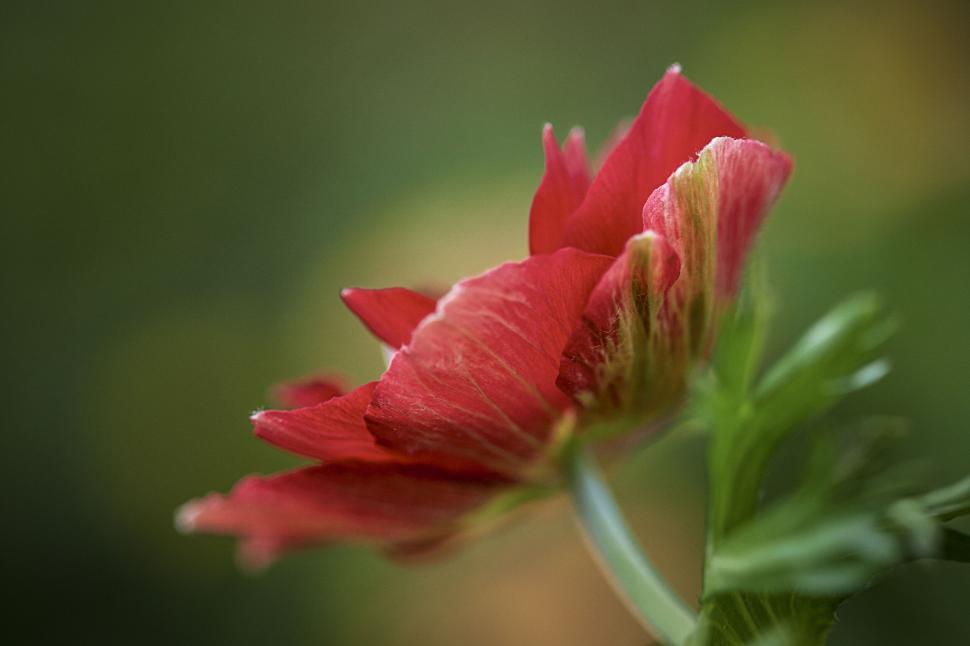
[632, 574]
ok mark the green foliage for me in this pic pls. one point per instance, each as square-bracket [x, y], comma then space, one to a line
[776, 573]
[849, 520]
[748, 418]
[745, 619]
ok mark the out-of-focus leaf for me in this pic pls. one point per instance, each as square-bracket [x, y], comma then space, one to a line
[824, 539]
[779, 578]
[838, 355]
[741, 338]
[849, 521]
[747, 421]
[782, 635]
[947, 503]
[746, 619]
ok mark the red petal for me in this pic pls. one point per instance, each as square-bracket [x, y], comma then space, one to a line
[307, 392]
[331, 431]
[478, 379]
[676, 121]
[620, 356]
[750, 178]
[562, 189]
[709, 211]
[390, 314]
[390, 503]
[651, 316]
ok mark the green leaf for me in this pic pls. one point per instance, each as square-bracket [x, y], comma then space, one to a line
[781, 635]
[828, 537]
[748, 421]
[837, 356]
[742, 334]
[779, 578]
[848, 522]
[747, 619]
[949, 502]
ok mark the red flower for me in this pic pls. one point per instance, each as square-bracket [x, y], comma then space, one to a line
[627, 276]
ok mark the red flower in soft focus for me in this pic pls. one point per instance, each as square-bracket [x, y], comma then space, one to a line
[600, 325]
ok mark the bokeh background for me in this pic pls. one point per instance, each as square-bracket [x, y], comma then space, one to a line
[186, 186]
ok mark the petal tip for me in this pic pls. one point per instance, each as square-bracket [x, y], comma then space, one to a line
[549, 141]
[186, 516]
[675, 68]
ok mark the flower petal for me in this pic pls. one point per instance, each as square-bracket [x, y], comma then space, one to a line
[562, 189]
[653, 313]
[388, 503]
[675, 122]
[478, 379]
[390, 314]
[331, 431]
[307, 392]
[750, 176]
[709, 211]
[621, 358]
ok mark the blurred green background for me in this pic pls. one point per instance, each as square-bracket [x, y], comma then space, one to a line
[186, 186]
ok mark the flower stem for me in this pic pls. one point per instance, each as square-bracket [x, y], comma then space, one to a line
[632, 574]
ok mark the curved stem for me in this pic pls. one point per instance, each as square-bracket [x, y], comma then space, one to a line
[632, 574]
